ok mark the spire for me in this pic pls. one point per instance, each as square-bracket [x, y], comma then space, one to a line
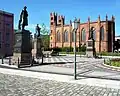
[113, 18]
[70, 22]
[106, 17]
[99, 17]
[88, 19]
[79, 20]
[54, 13]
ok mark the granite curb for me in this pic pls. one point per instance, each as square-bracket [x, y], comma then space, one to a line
[112, 67]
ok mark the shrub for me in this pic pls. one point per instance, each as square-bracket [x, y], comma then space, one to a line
[57, 49]
[67, 49]
[82, 48]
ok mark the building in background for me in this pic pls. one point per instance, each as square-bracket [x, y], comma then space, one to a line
[61, 35]
[6, 33]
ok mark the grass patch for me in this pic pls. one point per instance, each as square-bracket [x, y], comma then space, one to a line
[113, 62]
[81, 53]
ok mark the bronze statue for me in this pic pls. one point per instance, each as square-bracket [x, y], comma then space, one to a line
[91, 33]
[23, 19]
[38, 30]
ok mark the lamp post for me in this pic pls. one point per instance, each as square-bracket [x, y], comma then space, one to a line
[75, 27]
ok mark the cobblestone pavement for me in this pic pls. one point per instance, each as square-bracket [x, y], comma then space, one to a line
[14, 85]
[88, 67]
[82, 63]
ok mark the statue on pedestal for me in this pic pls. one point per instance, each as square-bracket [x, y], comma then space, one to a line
[23, 19]
[90, 34]
[37, 29]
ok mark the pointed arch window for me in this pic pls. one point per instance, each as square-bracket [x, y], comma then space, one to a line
[58, 36]
[83, 35]
[72, 35]
[66, 36]
[102, 33]
[93, 33]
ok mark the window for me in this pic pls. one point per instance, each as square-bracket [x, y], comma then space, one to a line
[83, 35]
[7, 36]
[58, 36]
[72, 36]
[102, 33]
[51, 31]
[7, 45]
[93, 33]
[51, 23]
[66, 36]
[7, 25]
[51, 18]
[0, 24]
[59, 20]
[0, 37]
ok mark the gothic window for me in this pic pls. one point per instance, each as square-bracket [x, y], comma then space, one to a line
[72, 36]
[51, 18]
[51, 23]
[66, 36]
[51, 31]
[58, 36]
[0, 37]
[93, 33]
[83, 35]
[102, 33]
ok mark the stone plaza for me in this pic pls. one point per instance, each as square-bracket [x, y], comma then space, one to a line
[26, 83]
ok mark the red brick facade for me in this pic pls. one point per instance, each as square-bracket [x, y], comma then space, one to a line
[6, 33]
[61, 35]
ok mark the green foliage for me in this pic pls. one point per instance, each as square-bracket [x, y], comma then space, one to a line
[67, 49]
[81, 49]
[57, 49]
[44, 30]
[113, 62]
[45, 36]
[108, 54]
[81, 53]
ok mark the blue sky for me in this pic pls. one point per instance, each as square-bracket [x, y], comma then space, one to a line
[39, 10]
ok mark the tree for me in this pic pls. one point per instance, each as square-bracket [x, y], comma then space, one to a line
[44, 30]
[45, 36]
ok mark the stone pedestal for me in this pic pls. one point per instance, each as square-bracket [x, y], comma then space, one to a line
[37, 50]
[22, 50]
[90, 48]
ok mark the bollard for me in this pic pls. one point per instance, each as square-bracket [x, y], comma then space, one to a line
[18, 63]
[104, 60]
[32, 61]
[110, 61]
[42, 59]
[9, 61]
[2, 60]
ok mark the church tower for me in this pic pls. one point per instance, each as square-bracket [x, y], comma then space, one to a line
[53, 24]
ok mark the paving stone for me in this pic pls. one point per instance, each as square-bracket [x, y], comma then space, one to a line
[13, 85]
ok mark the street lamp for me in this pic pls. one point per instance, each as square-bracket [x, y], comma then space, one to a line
[75, 25]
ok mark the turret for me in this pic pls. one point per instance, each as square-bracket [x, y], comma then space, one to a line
[61, 20]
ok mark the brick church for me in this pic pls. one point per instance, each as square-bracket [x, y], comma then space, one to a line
[61, 34]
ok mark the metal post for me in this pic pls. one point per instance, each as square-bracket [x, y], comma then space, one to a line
[2, 60]
[42, 58]
[75, 55]
[18, 63]
[9, 61]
